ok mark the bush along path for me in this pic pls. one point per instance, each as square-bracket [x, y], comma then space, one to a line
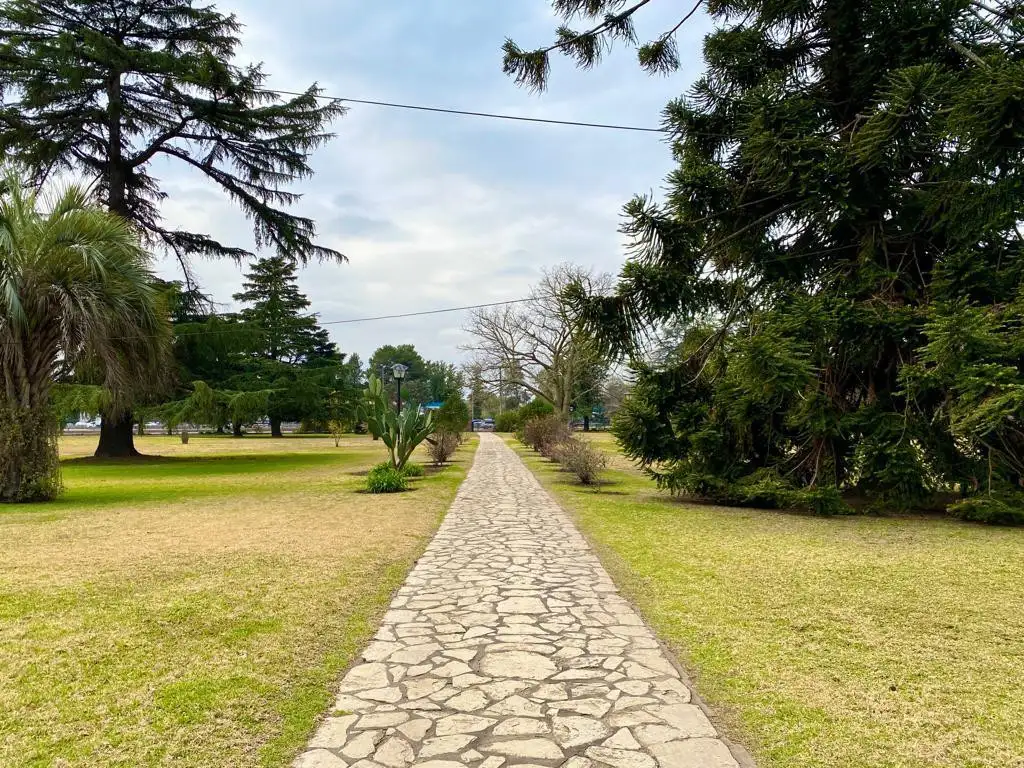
[508, 645]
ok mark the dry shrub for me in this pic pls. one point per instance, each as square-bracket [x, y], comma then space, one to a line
[582, 459]
[441, 446]
[545, 434]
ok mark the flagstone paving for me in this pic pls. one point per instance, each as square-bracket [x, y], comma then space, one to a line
[509, 646]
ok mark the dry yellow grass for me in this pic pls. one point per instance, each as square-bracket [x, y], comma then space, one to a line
[826, 643]
[194, 610]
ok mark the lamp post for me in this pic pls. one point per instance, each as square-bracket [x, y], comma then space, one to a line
[398, 371]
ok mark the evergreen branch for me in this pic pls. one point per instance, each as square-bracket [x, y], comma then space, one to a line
[531, 68]
[149, 152]
[661, 56]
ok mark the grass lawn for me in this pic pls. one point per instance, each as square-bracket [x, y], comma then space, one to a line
[195, 610]
[840, 643]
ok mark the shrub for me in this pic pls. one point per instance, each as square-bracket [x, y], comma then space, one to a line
[442, 446]
[506, 422]
[337, 430]
[763, 489]
[582, 459]
[513, 421]
[994, 510]
[413, 470]
[384, 478]
[545, 433]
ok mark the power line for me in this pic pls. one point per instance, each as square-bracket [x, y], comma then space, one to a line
[425, 312]
[423, 108]
[492, 115]
[349, 321]
[240, 328]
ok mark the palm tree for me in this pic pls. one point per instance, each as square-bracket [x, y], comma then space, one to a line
[75, 287]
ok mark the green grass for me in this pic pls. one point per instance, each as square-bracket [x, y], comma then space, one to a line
[855, 642]
[196, 609]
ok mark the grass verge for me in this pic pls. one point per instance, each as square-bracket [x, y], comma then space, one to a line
[855, 642]
[195, 609]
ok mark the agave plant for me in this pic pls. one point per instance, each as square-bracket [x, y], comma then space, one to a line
[401, 432]
[75, 285]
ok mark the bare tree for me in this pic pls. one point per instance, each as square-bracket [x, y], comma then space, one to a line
[614, 393]
[538, 344]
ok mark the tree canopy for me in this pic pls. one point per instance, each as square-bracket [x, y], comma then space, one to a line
[426, 381]
[112, 88]
[841, 245]
[277, 313]
[270, 360]
[605, 22]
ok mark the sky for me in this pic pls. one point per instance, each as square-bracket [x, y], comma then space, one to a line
[437, 211]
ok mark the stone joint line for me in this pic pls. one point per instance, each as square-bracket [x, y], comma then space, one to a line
[509, 646]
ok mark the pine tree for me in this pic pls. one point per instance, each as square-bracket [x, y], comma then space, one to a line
[278, 309]
[293, 350]
[842, 242]
[106, 89]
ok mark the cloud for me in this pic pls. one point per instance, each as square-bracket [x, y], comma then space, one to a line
[356, 225]
[433, 210]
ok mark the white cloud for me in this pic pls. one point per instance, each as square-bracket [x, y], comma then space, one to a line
[436, 211]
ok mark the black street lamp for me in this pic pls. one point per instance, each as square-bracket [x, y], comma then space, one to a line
[398, 371]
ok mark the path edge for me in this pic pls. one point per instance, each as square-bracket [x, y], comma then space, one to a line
[739, 752]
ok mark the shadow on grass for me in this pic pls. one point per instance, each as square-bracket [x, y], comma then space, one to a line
[156, 467]
[91, 482]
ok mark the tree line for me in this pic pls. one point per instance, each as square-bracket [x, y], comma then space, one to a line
[273, 361]
[84, 319]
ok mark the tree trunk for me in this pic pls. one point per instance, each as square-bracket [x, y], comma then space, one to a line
[29, 464]
[116, 438]
[236, 429]
[586, 423]
[275, 428]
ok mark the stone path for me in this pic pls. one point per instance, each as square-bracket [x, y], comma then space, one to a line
[508, 646]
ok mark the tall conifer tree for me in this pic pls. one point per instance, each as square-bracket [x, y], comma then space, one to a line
[841, 243]
[107, 88]
[293, 356]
